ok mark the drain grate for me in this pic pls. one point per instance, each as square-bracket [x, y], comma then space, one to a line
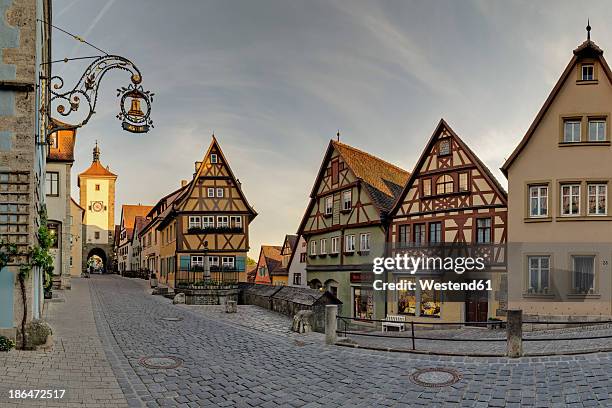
[163, 362]
[435, 377]
[172, 319]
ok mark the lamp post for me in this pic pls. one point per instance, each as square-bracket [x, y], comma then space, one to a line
[68, 103]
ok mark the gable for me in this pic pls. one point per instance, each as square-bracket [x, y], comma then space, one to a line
[448, 176]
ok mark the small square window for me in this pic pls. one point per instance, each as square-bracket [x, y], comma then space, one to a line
[588, 72]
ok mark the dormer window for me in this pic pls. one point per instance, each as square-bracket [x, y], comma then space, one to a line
[588, 72]
[571, 131]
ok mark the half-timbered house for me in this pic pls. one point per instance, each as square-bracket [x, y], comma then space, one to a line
[270, 267]
[210, 218]
[451, 202]
[344, 226]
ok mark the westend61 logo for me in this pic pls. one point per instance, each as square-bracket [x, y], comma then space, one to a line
[411, 264]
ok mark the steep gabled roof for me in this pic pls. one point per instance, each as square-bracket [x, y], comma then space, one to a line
[129, 214]
[273, 258]
[64, 152]
[291, 241]
[587, 49]
[472, 156]
[139, 223]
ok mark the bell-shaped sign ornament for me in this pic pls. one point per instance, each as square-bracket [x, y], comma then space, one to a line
[135, 120]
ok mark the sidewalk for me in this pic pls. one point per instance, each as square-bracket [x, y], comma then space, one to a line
[77, 362]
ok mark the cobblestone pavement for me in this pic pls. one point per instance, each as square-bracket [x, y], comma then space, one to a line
[76, 363]
[474, 340]
[226, 364]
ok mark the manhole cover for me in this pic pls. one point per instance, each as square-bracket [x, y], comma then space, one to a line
[165, 362]
[172, 319]
[435, 377]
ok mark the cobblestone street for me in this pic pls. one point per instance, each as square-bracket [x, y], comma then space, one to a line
[234, 362]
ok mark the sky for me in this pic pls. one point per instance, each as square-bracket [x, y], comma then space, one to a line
[275, 80]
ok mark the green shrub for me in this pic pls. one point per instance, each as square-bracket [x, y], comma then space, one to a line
[6, 344]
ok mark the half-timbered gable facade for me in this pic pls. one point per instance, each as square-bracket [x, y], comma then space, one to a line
[343, 224]
[450, 201]
[269, 265]
[210, 218]
[559, 179]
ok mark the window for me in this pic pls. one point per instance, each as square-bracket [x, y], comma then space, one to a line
[335, 172]
[538, 201]
[363, 303]
[227, 262]
[435, 232]
[571, 131]
[570, 199]
[213, 261]
[208, 221]
[197, 261]
[597, 130]
[210, 192]
[236, 221]
[323, 249]
[347, 200]
[329, 205]
[97, 187]
[222, 221]
[303, 257]
[483, 230]
[364, 242]
[349, 243]
[444, 184]
[583, 274]
[426, 187]
[588, 72]
[297, 279]
[97, 235]
[597, 199]
[52, 184]
[463, 182]
[444, 147]
[213, 158]
[419, 234]
[53, 140]
[313, 247]
[539, 273]
[335, 243]
[219, 192]
[404, 235]
[419, 302]
[194, 221]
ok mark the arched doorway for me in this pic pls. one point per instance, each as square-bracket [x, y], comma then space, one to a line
[315, 284]
[97, 261]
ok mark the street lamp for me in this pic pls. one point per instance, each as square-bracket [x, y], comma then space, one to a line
[85, 94]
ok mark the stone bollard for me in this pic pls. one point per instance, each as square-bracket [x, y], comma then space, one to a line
[331, 324]
[231, 306]
[514, 333]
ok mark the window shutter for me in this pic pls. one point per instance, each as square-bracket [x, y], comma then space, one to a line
[185, 261]
[240, 263]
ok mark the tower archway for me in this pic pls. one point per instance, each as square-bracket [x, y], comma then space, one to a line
[97, 260]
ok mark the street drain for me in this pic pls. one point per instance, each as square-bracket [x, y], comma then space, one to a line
[164, 362]
[172, 319]
[435, 377]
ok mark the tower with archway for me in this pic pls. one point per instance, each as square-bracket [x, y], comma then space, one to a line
[97, 197]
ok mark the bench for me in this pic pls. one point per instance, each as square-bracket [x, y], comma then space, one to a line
[394, 321]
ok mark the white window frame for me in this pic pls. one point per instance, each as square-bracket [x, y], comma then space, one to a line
[208, 221]
[235, 218]
[197, 260]
[213, 158]
[213, 260]
[598, 137]
[583, 74]
[335, 245]
[570, 196]
[364, 242]
[313, 247]
[347, 203]
[597, 196]
[219, 192]
[573, 122]
[222, 221]
[228, 261]
[195, 221]
[349, 243]
[210, 192]
[539, 270]
[323, 246]
[539, 197]
[467, 181]
[329, 205]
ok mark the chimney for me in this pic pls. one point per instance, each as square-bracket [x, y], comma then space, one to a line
[184, 183]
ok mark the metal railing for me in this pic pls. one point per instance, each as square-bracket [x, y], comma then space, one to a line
[187, 278]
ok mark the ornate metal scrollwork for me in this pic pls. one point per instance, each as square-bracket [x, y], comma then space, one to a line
[85, 94]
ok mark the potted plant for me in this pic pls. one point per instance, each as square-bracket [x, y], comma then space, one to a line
[153, 280]
[6, 344]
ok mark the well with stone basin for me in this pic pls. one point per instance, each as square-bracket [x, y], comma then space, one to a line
[209, 294]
